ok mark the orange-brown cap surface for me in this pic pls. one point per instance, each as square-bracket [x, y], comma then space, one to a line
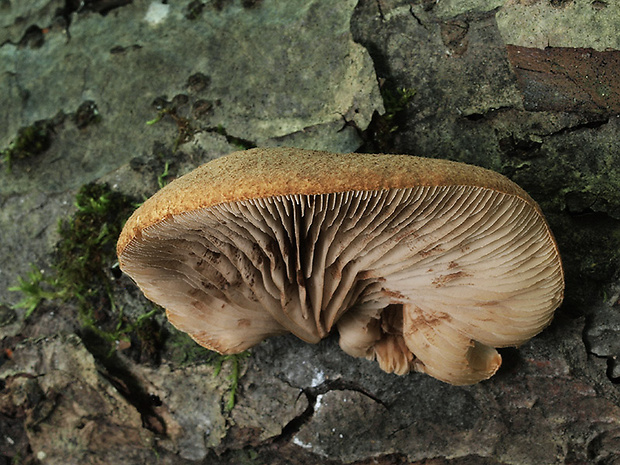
[270, 172]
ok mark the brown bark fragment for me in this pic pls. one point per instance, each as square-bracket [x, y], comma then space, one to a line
[567, 79]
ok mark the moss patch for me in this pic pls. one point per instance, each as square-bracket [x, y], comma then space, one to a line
[29, 141]
[84, 273]
[380, 133]
[82, 268]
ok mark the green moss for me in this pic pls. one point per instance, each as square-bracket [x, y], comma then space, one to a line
[83, 258]
[161, 179]
[30, 141]
[395, 102]
[35, 288]
[87, 247]
[379, 135]
[235, 361]
[82, 271]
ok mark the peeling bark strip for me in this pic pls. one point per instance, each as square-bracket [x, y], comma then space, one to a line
[567, 79]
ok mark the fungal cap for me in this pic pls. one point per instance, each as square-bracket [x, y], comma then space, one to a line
[422, 264]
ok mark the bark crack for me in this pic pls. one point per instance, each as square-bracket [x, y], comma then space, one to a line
[312, 394]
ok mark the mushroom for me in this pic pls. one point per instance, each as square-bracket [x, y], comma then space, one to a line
[422, 264]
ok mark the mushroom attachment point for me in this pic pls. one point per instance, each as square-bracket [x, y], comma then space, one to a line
[421, 264]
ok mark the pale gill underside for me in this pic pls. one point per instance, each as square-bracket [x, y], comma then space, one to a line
[461, 270]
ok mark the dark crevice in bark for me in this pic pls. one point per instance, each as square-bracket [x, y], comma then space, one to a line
[127, 385]
[312, 393]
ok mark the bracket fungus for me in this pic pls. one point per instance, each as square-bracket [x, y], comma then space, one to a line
[422, 264]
